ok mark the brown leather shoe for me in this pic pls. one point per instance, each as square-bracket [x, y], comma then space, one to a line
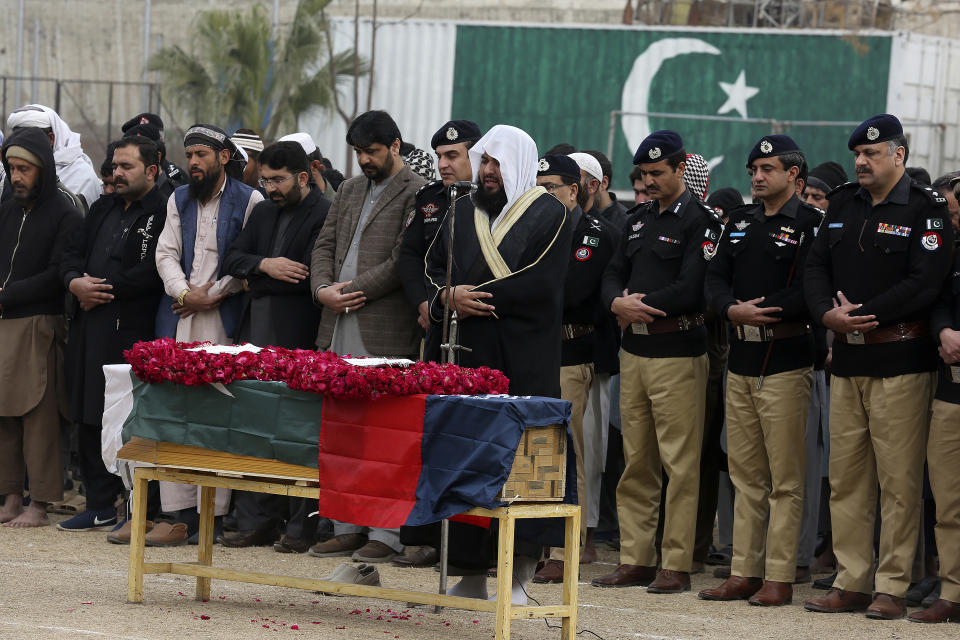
[254, 538]
[669, 581]
[374, 551]
[733, 588]
[838, 601]
[551, 573]
[887, 607]
[342, 545]
[424, 556]
[803, 575]
[165, 534]
[940, 611]
[773, 594]
[627, 575]
[122, 535]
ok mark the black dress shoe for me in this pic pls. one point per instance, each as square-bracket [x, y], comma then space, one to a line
[255, 538]
[824, 583]
[920, 590]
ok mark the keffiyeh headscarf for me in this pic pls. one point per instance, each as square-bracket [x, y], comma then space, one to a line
[516, 152]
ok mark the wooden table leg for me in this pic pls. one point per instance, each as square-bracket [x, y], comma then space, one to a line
[138, 531]
[205, 546]
[571, 577]
[505, 575]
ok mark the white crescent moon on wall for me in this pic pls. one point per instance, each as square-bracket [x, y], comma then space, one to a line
[636, 90]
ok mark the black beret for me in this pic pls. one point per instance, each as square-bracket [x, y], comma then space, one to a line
[657, 146]
[827, 176]
[879, 128]
[726, 200]
[558, 165]
[144, 118]
[771, 146]
[454, 132]
[146, 130]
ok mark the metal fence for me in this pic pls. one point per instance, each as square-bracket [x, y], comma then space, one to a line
[93, 108]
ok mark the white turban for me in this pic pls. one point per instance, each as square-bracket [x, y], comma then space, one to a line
[516, 152]
[74, 168]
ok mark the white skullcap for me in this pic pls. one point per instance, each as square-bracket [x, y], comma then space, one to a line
[303, 139]
[588, 163]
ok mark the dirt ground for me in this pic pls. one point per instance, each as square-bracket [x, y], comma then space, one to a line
[55, 584]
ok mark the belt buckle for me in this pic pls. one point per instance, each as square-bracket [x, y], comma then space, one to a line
[640, 328]
[752, 334]
[955, 372]
[567, 331]
[684, 323]
[855, 337]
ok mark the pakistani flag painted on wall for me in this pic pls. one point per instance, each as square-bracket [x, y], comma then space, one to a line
[561, 85]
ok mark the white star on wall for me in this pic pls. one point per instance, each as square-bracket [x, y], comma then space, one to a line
[737, 95]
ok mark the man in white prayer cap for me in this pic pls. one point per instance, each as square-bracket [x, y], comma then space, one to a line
[74, 168]
[512, 245]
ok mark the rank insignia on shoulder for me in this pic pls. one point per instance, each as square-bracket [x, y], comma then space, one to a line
[591, 241]
[930, 241]
[582, 254]
[429, 210]
[595, 224]
[934, 223]
[743, 224]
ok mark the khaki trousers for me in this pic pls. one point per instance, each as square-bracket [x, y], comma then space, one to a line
[662, 407]
[31, 444]
[878, 434]
[575, 382]
[943, 453]
[766, 430]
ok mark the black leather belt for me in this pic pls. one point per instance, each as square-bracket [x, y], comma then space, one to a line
[768, 332]
[572, 331]
[670, 324]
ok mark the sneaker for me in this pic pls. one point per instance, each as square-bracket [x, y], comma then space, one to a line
[90, 521]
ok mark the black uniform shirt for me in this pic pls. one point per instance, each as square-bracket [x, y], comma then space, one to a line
[429, 209]
[891, 258]
[664, 255]
[591, 251]
[755, 258]
[946, 315]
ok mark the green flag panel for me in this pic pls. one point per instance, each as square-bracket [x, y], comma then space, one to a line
[561, 85]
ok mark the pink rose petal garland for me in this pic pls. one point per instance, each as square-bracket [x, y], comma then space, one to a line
[165, 360]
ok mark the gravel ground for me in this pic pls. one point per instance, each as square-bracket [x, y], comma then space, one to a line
[73, 585]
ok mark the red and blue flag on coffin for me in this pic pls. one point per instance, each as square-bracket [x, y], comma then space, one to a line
[419, 459]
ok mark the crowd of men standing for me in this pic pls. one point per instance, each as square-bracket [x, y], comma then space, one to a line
[675, 322]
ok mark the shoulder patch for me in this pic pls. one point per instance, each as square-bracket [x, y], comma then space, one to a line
[815, 210]
[710, 211]
[843, 187]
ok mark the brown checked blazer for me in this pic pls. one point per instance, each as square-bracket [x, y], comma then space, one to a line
[388, 322]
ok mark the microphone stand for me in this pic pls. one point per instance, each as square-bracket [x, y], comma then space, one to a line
[449, 346]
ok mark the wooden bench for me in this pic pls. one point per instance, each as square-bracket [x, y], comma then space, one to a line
[211, 470]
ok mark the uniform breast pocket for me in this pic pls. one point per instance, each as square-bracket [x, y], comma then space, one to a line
[834, 235]
[780, 249]
[668, 249]
[889, 243]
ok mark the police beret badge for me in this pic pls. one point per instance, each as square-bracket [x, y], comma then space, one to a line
[654, 153]
[873, 133]
[543, 165]
[452, 134]
[766, 147]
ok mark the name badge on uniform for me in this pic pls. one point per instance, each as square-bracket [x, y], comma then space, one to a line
[955, 373]
[639, 328]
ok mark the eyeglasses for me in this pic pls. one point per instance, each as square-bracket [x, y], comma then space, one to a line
[274, 182]
[553, 186]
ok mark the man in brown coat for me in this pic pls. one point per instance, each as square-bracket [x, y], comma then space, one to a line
[353, 275]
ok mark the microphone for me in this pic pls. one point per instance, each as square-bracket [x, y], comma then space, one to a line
[464, 186]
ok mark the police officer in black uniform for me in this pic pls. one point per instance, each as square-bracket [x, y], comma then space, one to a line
[150, 125]
[450, 143]
[755, 281]
[872, 276]
[654, 285]
[593, 245]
